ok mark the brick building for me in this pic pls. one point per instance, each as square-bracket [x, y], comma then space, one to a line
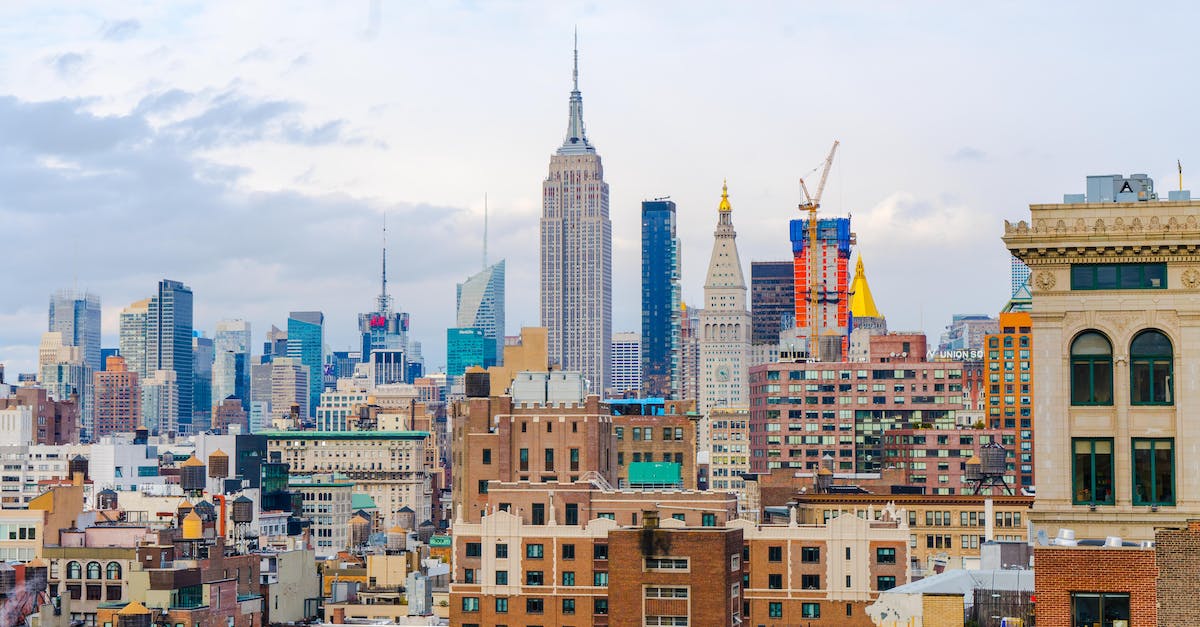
[118, 399]
[1008, 361]
[937, 458]
[54, 422]
[668, 438]
[729, 457]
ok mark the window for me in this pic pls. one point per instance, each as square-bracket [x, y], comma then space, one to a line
[93, 592]
[574, 460]
[501, 606]
[468, 575]
[810, 582]
[487, 455]
[666, 593]
[502, 578]
[1153, 471]
[708, 520]
[534, 578]
[483, 486]
[568, 606]
[885, 556]
[600, 606]
[775, 582]
[774, 554]
[470, 604]
[1119, 276]
[524, 458]
[549, 458]
[1150, 369]
[534, 606]
[93, 570]
[501, 551]
[568, 551]
[74, 570]
[112, 593]
[1092, 469]
[775, 610]
[810, 554]
[600, 579]
[810, 610]
[473, 549]
[535, 551]
[1093, 608]
[568, 578]
[666, 563]
[599, 551]
[885, 582]
[538, 513]
[1091, 369]
[572, 513]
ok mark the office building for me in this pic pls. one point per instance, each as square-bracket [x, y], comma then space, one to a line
[169, 345]
[203, 357]
[725, 323]
[480, 305]
[661, 300]
[133, 336]
[77, 316]
[118, 407]
[576, 254]
[231, 362]
[772, 300]
[626, 364]
[160, 402]
[276, 387]
[729, 447]
[1114, 334]
[689, 352]
[67, 378]
[967, 332]
[466, 347]
[228, 417]
[275, 346]
[50, 348]
[306, 342]
[1008, 387]
[385, 330]
[1020, 275]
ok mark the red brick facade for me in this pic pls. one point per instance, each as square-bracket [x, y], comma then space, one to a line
[1062, 571]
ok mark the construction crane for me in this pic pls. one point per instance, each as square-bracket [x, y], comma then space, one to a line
[810, 204]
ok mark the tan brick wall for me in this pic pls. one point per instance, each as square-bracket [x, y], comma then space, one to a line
[942, 610]
[1178, 583]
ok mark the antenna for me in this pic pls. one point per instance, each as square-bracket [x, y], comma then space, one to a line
[575, 73]
[383, 297]
[485, 208]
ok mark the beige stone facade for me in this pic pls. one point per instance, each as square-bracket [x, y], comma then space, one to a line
[1119, 270]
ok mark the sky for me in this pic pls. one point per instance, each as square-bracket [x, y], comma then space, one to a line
[252, 150]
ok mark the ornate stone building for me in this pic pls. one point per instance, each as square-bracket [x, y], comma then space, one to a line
[725, 322]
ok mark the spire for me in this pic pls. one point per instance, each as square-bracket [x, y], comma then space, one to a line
[862, 304]
[485, 230]
[725, 206]
[576, 141]
[385, 303]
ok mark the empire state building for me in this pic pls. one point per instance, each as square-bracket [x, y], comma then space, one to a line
[576, 254]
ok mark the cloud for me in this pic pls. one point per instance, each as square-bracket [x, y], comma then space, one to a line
[120, 30]
[967, 153]
[68, 64]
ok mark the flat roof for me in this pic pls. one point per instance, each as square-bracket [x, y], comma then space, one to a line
[345, 435]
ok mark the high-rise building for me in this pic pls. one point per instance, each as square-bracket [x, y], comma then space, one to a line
[481, 306]
[576, 254]
[1020, 275]
[626, 363]
[384, 334]
[275, 346]
[832, 282]
[160, 402]
[1008, 389]
[306, 342]
[49, 348]
[689, 352]
[772, 300]
[77, 316]
[274, 388]
[966, 332]
[660, 300]
[202, 381]
[132, 331]
[169, 344]
[231, 362]
[725, 322]
[118, 407]
[65, 376]
[468, 347]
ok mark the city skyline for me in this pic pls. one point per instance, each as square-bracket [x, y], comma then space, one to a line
[218, 137]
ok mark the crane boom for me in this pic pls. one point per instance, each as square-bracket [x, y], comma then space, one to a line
[811, 204]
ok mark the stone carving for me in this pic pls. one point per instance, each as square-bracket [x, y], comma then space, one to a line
[1119, 320]
[1119, 225]
[1173, 224]
[1099, 225]
[1045, 280]
[1191, 222]
[1080, 225]
[1191, 278]
[1155, 223]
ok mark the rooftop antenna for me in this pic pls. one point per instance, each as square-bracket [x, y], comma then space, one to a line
[575, 72]
[485, 208]
[384, 304]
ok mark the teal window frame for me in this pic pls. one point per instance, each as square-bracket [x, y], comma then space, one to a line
[1094, 486]
[1119, 276]
[810, 610]
[1149, 491]
[775, 609]
[1156, 367]
[1090, 361]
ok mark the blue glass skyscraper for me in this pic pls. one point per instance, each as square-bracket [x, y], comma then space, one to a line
[77, 316]
[169, 343]
[660, 300]
[305, 341]
[466, 347]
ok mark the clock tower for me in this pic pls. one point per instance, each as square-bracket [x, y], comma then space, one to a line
[725, 321]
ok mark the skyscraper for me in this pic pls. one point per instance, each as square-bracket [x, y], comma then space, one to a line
[169, 344]
[481, 306]
[626, 363]
[203, 356]
[1020, 275]
[160, 402]
[725, 322]
[576, 254]
[660, 368]
[133, 336]
[772, 300]
[231, 362]
[384, 331]
[118, 406]
[830, 258]
[65, 374]
[306, 342]
[77, 316]
[466, 347]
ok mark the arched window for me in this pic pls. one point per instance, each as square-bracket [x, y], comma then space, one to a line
[74, 571]
[113, 571]
[93, 570]
[1150, 361]
[1091, 369]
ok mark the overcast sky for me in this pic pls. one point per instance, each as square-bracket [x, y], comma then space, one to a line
[251, 149]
